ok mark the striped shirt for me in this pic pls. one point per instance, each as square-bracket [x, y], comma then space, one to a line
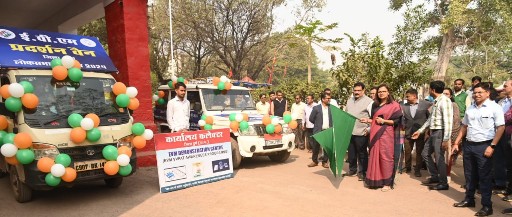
[441, 117]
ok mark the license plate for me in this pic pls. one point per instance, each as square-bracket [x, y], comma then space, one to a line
[89, 165]
[273, 142]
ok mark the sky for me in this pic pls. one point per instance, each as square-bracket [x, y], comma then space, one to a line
[353, 17]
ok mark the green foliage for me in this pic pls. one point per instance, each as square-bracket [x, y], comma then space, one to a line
[292, 86]
[96, 28]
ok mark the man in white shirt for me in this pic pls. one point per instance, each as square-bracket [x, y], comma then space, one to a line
[307, 126]
[262, 107]
[297, 112]
[178, 110]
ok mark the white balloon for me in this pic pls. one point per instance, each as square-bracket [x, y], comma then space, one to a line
[148, 134]
[123, 160]
[8, 150]
[58, 170]
[87, 124]
[239, 117]
[174, 78]
[294, 116]
[223, 78]
[155, 98]
[275, 121]
[16, 90]
[68, 61]
[131, 92]
[201, 123]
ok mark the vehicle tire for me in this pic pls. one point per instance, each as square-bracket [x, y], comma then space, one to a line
[235, 152]
[280, 156]
[114, 182]
[22, 193]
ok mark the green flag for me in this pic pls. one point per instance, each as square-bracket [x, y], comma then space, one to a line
[336, 139]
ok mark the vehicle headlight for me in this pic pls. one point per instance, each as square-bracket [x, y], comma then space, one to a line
[125, 141]
[251, 131]
[45, 150]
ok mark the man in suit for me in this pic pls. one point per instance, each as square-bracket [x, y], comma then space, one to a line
[321, 118]
[415, 115]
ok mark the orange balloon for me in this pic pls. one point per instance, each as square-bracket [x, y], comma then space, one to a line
[111, 167]
[293, 124]
[246, 117]
[266, 120]
[12, 160]
[4, 91]
[216, 81]
[161, 94]
[228, 85]
[60, 72]
[278, 128]
[29, 100]
[23, 140]
[45, 164]
[94, 118]
[124, 150]
[209, 120]
[139, 142]
[287, 113]
[3, 122]
[77, 135]
[134, 104]
[77, 64]
[234, 125]
[69, 175]
[119, 88]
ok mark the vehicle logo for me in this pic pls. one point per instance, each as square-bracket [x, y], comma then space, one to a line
[90, 152]
[6, 34]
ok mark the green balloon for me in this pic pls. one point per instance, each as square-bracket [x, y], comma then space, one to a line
[170, 84]
[63, 159]
[52, 180]
[110, 152]
[2, 136]
[221, 86]
[25, 156]
[125, 170]
[160, 101]
[56, 62]
[208, 127]
[203, 117]
[75, 74]
[75, 119]
[93, 134]
[138, 129]
[287, 118]
[122, 100]
[232, 117]
[13, 104]
[27, 86]
[181, 79]
[9, 138]
[244, 125]
[270, 128]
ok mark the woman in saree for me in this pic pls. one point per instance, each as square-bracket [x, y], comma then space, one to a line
[384, 140]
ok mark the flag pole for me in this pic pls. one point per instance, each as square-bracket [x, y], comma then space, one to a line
[172, 65]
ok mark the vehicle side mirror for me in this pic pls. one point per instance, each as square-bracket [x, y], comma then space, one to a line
[4, 111]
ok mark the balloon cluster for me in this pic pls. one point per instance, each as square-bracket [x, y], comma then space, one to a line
[16, 148]
[291, 120]
[141, 135]
[272, 124]
[222, 83]
[239, 121]
[18, 94]
[159, 97]
[175, 80]
[125, 96]
[84, 128]
[118, 160]
[57, 169]
[66, 67]
[206, 122]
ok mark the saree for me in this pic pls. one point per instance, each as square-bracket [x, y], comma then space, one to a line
[384, 146]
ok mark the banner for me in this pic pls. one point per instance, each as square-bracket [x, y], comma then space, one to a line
[193, 158]
[34, 49]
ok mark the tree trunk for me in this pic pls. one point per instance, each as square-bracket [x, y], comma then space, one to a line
[444, 55]
[309, 62]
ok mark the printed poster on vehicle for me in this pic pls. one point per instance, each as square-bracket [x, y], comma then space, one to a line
[193, 158]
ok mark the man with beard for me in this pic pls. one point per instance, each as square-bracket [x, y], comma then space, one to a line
[178, 110]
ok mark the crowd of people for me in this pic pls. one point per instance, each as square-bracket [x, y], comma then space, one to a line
[446, 124]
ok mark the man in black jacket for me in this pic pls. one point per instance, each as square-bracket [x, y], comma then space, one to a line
[322, 119]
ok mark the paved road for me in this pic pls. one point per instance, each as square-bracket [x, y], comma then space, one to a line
[260, 188]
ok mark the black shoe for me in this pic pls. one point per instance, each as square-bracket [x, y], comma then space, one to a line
[408, 170]
[439, 187]
[350, 173]
[507, 211]
[507, 198]
[499, 190]
[360, 177]
[485, 211]
[464, 203]
[325, 165]
[430, 181]
[417, 173]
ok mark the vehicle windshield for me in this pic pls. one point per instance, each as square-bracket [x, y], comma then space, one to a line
[216, 100]
[59, 99]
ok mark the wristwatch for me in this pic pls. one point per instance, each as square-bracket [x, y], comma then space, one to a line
[492, 146]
